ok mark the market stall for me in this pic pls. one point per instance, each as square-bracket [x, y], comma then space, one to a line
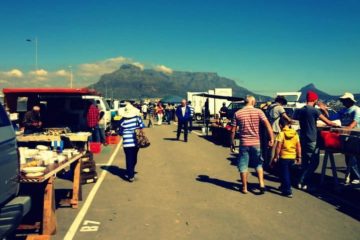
[337, 140]
[221, 132]
[38, 177]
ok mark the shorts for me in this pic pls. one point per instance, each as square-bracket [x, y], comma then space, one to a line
[252, 155]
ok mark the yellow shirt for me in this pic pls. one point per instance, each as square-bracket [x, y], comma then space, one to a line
[289, 139]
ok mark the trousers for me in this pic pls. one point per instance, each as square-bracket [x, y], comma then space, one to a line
[131, 160]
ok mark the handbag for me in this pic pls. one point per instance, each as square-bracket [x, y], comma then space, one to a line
[141, 140]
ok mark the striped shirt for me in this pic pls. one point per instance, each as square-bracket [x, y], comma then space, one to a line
[248, 119]
[192, 110]
[127, 130]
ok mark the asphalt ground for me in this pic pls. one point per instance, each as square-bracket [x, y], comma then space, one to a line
[191, 191]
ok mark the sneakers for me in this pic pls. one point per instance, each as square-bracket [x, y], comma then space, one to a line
[302, 186]
[288, 195]
[355, 181]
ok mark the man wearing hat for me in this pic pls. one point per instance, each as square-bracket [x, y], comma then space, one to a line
[350, 118]
[307, 116]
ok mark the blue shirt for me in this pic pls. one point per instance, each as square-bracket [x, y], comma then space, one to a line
[348, 115]
[127, 130]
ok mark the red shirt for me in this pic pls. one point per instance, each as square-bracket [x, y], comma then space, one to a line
[248, 119]
[92, 116]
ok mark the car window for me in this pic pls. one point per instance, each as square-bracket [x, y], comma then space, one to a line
[4, 119]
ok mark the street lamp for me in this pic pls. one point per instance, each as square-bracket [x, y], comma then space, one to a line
[71, 77]
[36, 51]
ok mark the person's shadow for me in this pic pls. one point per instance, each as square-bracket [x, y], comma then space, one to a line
[115, 170]
[228, 185]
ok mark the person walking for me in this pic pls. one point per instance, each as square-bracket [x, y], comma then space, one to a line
[192, 112]
[144, 110]
[160, 113]
[350, 118]
[310, 152]
[183, 114]
[248, 120]
[274, 113]
[128, 124]
[287, 153]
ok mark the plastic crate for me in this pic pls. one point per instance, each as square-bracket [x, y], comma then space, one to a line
[112, 139]
[95, 147]
[332, 140]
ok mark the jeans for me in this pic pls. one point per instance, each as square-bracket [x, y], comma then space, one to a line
[102, 135]
[352, 166]
[131, 160]
[310, 161]
[285, 175]
[249, 154]
[182, 125]
[95, 134]
[190, 124]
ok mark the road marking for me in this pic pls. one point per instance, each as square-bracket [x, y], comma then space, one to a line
[90, 226]
[197, 133]
[79, 218]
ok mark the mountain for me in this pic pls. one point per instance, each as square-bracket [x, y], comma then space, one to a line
[322, 95]
[132, 82]
[311, 87]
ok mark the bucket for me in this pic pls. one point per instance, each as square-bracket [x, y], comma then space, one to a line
[95, 147]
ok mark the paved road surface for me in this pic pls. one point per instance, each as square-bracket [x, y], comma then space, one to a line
[191, 191]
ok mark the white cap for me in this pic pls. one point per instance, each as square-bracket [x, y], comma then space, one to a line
[348, 95]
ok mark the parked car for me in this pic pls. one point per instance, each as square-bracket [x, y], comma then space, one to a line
[12, 207]
[234, 107]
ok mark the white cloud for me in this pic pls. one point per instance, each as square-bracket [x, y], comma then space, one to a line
[101, 67]
[39, 75]
[139, 65]
[14, 73]
[61, 73]
[2, 81]
[164, 69]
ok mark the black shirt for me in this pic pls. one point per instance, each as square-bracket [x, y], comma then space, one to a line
[307, 117]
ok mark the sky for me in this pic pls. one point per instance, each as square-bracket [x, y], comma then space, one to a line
[264, 45]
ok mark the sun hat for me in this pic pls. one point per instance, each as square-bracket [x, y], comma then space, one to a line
[311, 96]
[130, 111]
[348, 95]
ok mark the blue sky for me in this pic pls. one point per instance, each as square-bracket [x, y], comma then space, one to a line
[266, 46]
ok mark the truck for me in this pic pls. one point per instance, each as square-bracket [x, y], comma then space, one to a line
[198, 102]
[60, 107]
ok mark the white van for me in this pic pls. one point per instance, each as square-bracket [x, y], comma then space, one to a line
[103, 107]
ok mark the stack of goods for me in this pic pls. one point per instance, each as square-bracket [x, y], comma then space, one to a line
[88, 169]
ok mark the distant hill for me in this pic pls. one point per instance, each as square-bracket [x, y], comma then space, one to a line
[131, 82]
[311, 87]
[322, 95]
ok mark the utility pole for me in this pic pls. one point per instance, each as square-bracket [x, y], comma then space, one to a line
[71, 77]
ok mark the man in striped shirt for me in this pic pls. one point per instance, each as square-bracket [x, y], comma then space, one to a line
[192, 111]
[248, 119]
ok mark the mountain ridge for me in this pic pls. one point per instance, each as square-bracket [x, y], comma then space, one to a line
[132, 82]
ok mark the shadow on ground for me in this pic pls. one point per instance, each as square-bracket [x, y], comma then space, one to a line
[252, 187]
[115, 170]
